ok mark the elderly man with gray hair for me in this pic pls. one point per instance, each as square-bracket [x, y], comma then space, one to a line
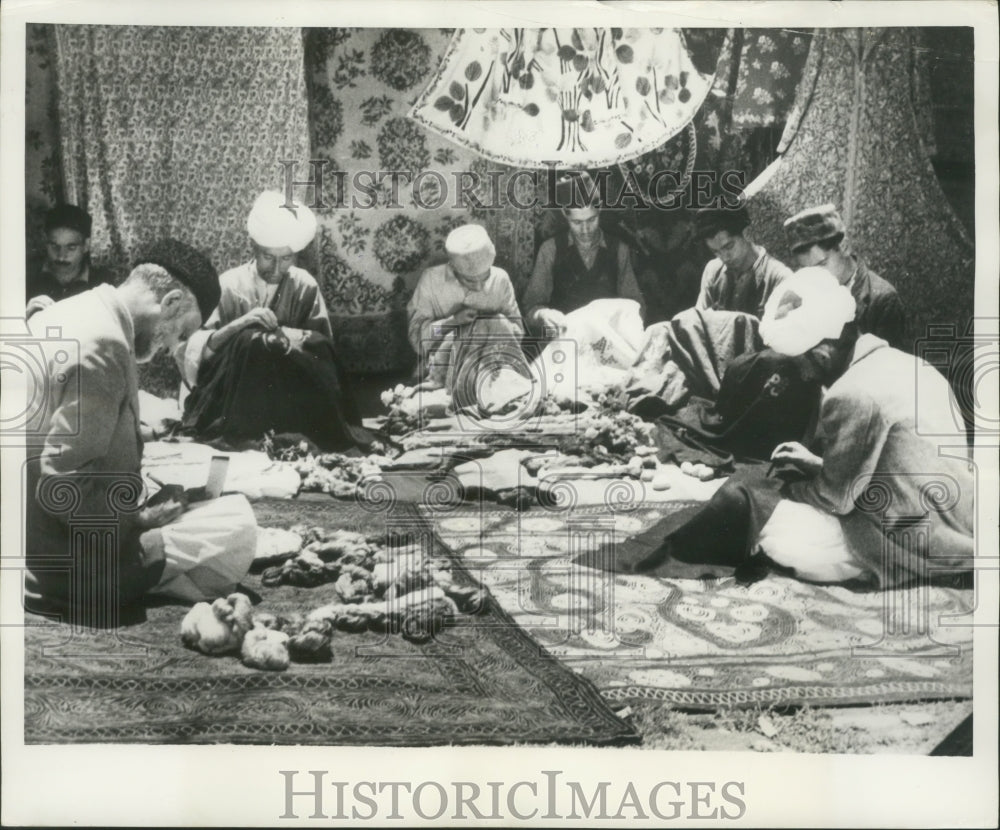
[87, 451]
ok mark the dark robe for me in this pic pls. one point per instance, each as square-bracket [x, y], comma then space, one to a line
[287, 381]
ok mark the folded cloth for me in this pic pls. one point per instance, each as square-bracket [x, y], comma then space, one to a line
[207, 551]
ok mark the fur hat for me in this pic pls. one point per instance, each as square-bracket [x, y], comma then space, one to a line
[187, 265]
[812, 225]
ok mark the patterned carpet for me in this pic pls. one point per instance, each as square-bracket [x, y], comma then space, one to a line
[706, 644]
[482, 681]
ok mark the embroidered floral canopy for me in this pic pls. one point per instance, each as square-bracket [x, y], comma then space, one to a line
[580, 97]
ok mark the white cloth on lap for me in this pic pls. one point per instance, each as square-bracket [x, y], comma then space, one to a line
[809, 540]
[208, 550]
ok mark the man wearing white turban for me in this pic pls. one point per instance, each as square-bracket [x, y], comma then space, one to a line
[866, 443]
[270, 290]
[875, 498]
[265, 360]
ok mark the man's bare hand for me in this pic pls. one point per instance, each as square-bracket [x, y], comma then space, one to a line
[791, 455]
[36, 304]
[164, 507]
[263, 317]
[551, 321]
[464, 316]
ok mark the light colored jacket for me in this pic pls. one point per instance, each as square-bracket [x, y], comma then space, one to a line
[895, 464]
[89, 450]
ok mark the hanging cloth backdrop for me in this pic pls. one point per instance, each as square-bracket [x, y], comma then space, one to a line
[172, 131]
[579, 97]
[856, 111]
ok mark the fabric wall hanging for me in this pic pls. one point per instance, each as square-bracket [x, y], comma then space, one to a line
[362, 83]
[174, 130]
[853, 139]
[758, 70]
[42, 177]
[581, 97]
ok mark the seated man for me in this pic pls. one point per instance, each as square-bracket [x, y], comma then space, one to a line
[266, 360]
[579, 264]
[66, 269]
[463, 315]
[742, 275]
[86, 465]
[839, 513]
[816, 237]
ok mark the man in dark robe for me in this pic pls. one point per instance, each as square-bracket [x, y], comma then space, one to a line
[266, 360]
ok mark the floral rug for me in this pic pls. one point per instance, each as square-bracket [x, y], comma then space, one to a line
[703, 644]
[480, 681]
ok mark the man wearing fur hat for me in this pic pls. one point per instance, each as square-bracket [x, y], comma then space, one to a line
[89, 455]
[266, 360]
[816, 236]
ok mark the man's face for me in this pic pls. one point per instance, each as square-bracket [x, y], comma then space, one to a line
[273, 263]
[583, 225]
[471, 283]
[66, 250]
[814, 255]
[823, 363]
[735, 251]
[180, 317]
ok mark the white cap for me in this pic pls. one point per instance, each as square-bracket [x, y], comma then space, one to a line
[470, 250]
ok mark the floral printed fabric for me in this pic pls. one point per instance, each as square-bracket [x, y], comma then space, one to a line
[362, 82]
[852, 139]
[583, 97]
[172, 131]
[42, 180]
[769, 64]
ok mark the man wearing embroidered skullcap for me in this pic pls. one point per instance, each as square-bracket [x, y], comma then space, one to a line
[266, 359]
[461, 306]
[581, 263]
[742, 275]
[88, 433]
[817, 237]
[882, 459]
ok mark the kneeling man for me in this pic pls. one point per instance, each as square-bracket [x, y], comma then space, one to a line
[464, 318]
[89, 543]
[875, 498]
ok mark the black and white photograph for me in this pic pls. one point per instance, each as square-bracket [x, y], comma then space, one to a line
[503, 414]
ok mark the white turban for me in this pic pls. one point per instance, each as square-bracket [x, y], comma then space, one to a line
[272, 225]
[470, 250]
[807, 308]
